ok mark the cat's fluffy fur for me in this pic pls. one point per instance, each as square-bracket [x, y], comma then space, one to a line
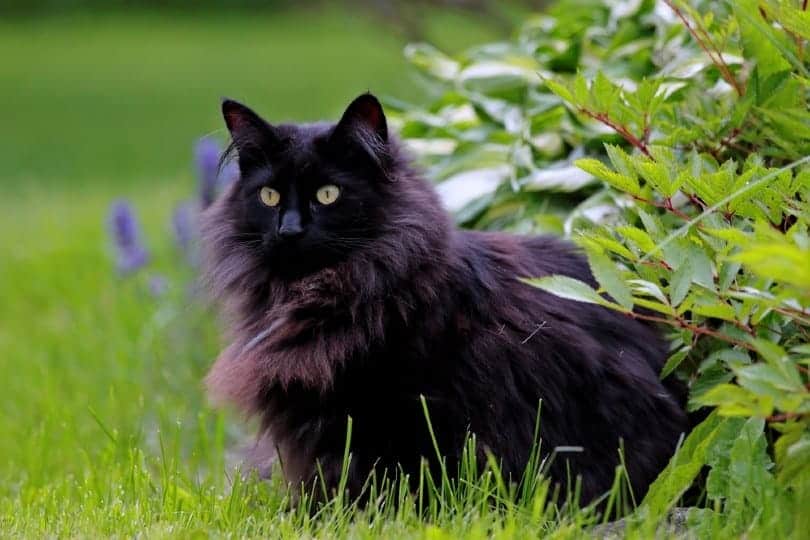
[424, 309]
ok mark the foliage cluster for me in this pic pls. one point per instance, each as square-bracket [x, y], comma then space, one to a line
[671, 141]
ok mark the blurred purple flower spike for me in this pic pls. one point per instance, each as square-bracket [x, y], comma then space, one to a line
[186, 231]
[158, 285]
[183, 225]
[206, 157]
[130, 252]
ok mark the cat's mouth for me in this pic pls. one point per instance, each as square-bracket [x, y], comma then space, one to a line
[293, 258]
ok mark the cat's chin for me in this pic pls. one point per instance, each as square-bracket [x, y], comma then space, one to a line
[292, 264]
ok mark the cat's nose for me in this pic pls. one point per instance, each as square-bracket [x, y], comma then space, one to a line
[290, 225]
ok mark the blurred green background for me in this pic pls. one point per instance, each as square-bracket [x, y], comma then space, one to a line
[114, 97]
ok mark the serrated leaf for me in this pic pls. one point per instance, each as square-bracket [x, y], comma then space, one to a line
[681, 282]
[621, 161]
[701, 266]
[782, 262]
[560, 89]
[714, 308]
[609, 278]
[674, 361]
[603, 172]
[570, 289]
[657, 175]
[730, 399]
[650, 289]
[765, 379]
[762, 42]
[682, 468]
[638, 237]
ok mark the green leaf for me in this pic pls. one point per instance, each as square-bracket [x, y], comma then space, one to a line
[734, 236]
[708, 379]
[560, 89]
[681, 282]
[621, 161]
[795, 20]
[701, 264]
[638, 237]
[657, 175]
[674, 361]
[605, 272]
[762, 42]
[581, 92]
[571, 289]
[683, 468]
[712, 307]
[795, 463]
[731, 400]
[769, 350]
[609, 244]
[766, 380]
[649, 288]
[601, 171]
[432, 61]
[782, 262]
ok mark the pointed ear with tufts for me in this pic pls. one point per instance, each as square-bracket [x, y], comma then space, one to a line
[363, 127]
[254, 139]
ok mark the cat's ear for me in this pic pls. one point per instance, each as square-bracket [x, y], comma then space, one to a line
[365, 117]
[363, 125]
[253, 138]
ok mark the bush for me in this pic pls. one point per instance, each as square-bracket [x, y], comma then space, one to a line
[672, 143]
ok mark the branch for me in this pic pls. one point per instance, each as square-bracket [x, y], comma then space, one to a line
[666, 205]
[618, 128]
[709, 48]
[782, 417]
[683, 323]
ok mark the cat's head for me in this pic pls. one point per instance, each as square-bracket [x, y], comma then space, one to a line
[310, 195]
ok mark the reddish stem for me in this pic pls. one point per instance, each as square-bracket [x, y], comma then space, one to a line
[782, 417]
[716, 56]
[682, 323]
[618, 128]
[666, 205]
[727, 140]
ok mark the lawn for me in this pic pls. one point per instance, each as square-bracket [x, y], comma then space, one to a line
[104, 427]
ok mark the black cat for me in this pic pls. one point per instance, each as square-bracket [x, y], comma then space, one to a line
[352, 294]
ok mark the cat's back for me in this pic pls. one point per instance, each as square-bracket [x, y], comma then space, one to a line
[497, 262]
[513, 256]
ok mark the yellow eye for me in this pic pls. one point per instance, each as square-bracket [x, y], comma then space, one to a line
[327, 194]
[269, 196]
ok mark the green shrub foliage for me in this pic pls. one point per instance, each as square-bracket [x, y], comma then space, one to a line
[671, 141]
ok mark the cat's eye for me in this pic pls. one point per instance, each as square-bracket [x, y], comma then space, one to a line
[269, 196]
[327, 194]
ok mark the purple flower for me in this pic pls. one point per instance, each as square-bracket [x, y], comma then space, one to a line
[206, 158]
[185, 229]
[158, 285]
[184, 225]
[130, 253]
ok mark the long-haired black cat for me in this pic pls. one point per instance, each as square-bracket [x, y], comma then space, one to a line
[352, 294]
